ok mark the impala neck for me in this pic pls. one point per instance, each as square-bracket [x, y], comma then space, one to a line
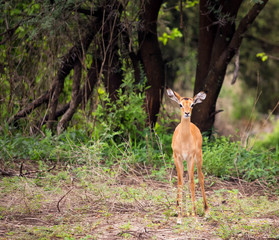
[185, 122]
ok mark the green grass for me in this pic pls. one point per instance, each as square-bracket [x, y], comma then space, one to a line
[222, 158]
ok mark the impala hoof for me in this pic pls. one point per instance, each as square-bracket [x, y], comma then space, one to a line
[179, 221]
[207, 212]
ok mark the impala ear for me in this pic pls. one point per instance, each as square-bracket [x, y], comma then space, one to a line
[173, 95]
[199, 97]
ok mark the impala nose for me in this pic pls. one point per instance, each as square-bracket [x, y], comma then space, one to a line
[187, 114]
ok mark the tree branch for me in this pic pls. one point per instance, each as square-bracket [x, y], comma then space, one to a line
[30, 107]
[83, 95]
[239, 33]
[74, 99]
[235, 43]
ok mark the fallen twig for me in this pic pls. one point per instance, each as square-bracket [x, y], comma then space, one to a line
[21, 174]
[63, 198]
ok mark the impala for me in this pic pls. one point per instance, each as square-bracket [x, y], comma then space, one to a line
[186, 146]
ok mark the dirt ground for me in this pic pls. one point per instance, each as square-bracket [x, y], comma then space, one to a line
[83, 204]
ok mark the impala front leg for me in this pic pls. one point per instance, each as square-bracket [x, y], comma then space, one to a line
[180, 171]
[201, 181]
[191, 168]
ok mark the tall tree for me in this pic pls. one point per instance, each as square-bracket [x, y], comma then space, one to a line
[219, 40]
[151, 57]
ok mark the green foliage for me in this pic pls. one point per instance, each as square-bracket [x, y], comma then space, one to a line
[39, 148]
[191, 3]
[223, 158]
[262, 55]
[125, 117]
[19, 146]
[219, 156]
[119, 130]
[170, 34]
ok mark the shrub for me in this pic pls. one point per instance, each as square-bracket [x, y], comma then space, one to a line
[224, 158]
[126, 117]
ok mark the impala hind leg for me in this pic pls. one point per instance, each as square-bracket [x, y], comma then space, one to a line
[180, 170]
[191, 168]
[201, 181]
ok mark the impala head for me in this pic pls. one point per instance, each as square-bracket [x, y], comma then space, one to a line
[186, 104]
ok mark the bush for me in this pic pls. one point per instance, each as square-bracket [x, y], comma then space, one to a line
[219, 156]
[226, 159]
[34, 147]
[125, 118]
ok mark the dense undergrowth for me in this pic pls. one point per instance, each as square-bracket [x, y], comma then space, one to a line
[119, 136]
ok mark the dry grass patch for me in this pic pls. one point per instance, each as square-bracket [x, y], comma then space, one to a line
[76, 202]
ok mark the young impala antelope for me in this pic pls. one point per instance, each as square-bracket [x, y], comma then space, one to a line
[186, 145]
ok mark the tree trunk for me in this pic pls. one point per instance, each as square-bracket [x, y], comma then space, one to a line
[74, 99]
[112, 61]
[217, 45]
[151, 57]
[30, 107]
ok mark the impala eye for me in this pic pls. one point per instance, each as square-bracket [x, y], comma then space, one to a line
[180, 105]
[192, 105]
